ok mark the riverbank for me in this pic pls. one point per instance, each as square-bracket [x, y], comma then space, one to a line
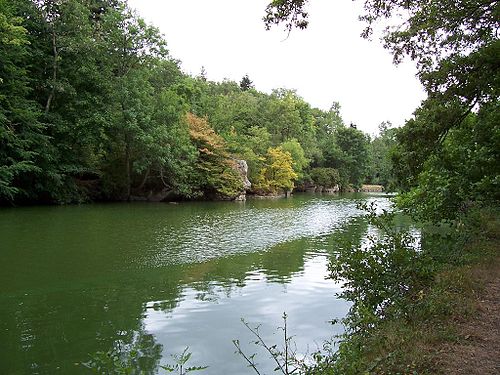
[449, 324]
[477, 349]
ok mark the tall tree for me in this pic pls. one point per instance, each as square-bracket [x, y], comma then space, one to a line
[278, 174]
[133, 49]
[21, 133]
[353, 155]
[380, 170]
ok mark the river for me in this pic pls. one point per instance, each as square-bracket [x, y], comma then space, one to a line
[157, 278]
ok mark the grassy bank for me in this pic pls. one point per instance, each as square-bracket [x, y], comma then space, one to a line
[426, 328]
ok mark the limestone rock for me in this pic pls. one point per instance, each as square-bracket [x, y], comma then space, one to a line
[242, 167]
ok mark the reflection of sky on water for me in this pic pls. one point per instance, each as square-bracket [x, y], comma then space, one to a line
[308, 299]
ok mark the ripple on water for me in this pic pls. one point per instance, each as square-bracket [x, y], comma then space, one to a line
[211, 235]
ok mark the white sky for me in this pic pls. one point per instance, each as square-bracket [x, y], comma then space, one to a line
[327, 62]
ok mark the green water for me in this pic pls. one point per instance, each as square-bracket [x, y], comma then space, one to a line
[159, 277]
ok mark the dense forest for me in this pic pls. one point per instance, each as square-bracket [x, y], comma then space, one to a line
[93, 107]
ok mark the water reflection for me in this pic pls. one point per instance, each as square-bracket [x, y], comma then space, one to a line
[157, 278]
[207, 321]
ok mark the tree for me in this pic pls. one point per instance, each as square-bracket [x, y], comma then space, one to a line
[203, 74]
[299, 160]
[326, 177]
[288, 116]
[216, 172]
[353, 155]
[21, 133]
[167, 156]
[133, 49]
[246, 83]
[101, 76]
[380, 150]
[442, 180]
[277, 174]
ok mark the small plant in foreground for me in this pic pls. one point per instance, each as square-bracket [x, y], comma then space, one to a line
[180, 363]
[112, 362]
[286, 358]
[118, 362]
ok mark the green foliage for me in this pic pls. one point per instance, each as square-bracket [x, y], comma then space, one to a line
[21, 133]
[180, 364]
[290, 12]
[380, 168]
[112, 362]
[351, 154]
[380, 275]
[327, 177]
[92, 107]
[246, 83]
[128, 362]
[300, 162]
[289, 116]
[342, 148]
[403, 293]
[462, 173]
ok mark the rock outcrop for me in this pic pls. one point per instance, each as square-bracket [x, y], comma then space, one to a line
[372, 188]
[241, 167]
[323, 189]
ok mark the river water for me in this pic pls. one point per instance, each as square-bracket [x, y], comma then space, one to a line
[153, 279]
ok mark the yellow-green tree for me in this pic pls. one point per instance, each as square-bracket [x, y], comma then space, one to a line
[278, 173]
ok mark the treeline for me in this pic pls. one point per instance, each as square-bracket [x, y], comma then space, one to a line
[93, 107]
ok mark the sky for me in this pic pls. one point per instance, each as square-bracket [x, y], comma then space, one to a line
[327, 62]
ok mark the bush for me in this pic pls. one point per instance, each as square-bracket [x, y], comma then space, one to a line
[327, 177]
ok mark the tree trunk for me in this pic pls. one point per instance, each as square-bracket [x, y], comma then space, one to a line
[127, 166]
[146, 176]
[54, 71]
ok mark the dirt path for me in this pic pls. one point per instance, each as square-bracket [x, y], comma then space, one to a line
[478, 350]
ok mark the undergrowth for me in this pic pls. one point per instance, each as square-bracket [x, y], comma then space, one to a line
[407, 300]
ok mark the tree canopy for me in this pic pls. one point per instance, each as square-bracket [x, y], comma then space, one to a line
[93, 107]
